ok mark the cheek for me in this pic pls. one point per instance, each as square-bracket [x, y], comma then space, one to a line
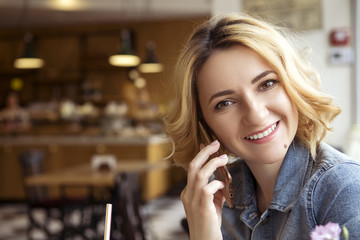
[289, 111]
[295, 118]
[217, 124]
[226, 130]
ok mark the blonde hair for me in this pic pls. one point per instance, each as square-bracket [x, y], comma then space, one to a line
[300, 81]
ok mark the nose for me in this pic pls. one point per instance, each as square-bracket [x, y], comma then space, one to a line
[254, 111]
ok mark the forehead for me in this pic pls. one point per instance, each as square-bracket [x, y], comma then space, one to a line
[234, 65]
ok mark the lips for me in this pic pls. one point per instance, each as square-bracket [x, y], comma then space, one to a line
[262, 134]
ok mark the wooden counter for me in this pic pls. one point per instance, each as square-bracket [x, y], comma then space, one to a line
[66, 151]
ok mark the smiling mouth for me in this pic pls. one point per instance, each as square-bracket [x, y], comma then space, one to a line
[263, 134]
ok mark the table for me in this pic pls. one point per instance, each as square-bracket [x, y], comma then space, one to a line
[85, 175]
[122, 180]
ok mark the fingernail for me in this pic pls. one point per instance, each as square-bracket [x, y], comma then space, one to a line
[224, 156]
[214, 142]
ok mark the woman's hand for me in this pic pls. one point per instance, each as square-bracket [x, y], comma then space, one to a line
[203, 200]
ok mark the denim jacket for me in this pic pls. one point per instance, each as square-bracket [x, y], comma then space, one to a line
[307, 193]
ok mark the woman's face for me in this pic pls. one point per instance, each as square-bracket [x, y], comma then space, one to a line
[246, 106]
[12, 100]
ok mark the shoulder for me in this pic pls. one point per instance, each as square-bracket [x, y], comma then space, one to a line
[335, 186]
[328, 154]
[332, 166]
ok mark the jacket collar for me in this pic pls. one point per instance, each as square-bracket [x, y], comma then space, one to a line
[295, 170]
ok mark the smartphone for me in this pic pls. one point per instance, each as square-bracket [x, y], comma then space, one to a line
[221, 173]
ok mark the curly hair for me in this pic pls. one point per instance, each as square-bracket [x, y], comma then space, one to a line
[299, 79]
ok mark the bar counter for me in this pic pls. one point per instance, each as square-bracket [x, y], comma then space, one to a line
[63, 152]
[81, 140]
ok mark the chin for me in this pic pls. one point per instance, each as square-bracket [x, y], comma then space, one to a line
[269, 156]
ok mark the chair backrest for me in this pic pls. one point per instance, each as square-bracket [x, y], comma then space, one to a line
[32, 162]
[127, 205]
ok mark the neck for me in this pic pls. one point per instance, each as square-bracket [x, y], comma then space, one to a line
[265, 176]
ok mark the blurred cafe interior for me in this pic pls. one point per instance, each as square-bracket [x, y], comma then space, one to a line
[80, 126]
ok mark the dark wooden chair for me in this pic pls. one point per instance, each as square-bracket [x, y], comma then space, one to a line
[38, 198]
[126, 215]
[59, 209]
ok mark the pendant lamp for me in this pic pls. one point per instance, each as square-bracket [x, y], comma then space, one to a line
[126, 56]
[29, 59]
[151, 65]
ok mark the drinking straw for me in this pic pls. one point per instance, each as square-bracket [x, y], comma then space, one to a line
[107, 221]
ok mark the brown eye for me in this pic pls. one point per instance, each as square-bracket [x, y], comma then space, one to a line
[268, 84]
[223, 104]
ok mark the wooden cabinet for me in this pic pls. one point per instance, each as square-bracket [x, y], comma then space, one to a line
[11, 185]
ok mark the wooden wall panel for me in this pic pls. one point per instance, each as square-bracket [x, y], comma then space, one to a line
[77, 53]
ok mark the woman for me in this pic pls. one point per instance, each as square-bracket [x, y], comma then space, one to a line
[14, 118]
[241, 79]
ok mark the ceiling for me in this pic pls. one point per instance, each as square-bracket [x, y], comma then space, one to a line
[39, 13]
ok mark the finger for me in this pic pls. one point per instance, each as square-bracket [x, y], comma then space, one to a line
[209, 168]
[197, 163]
[210, 193]
[204, 174]
[204, 154]
[213, 187]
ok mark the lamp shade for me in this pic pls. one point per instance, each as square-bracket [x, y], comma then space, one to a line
[126, 56]
[29, 59]
[124, 60]
[151, 65]
[28, 63]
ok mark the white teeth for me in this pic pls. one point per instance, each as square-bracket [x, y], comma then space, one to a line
[265, 133]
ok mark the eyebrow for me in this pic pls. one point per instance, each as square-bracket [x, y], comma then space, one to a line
[255, 80]
[261, 75]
